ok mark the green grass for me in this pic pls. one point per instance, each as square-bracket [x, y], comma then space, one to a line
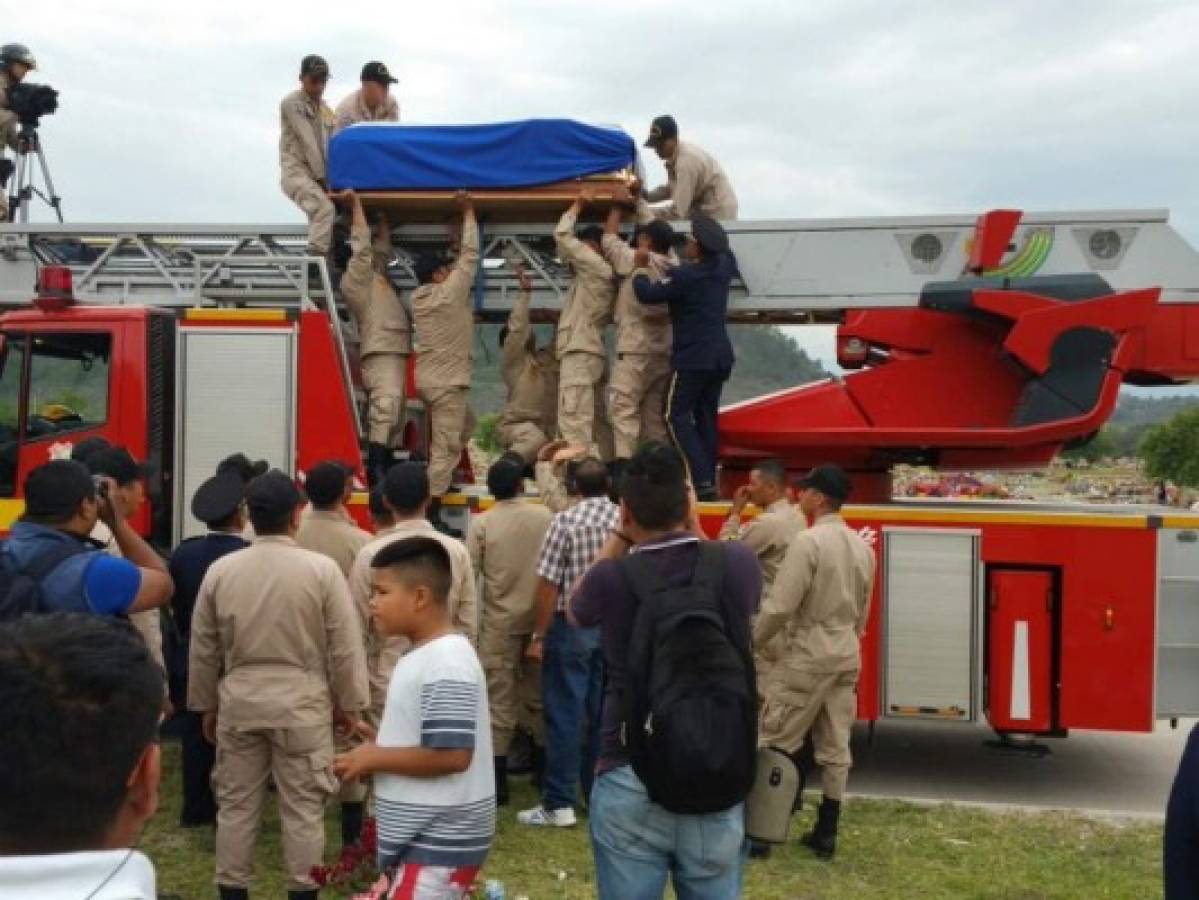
[887, 849]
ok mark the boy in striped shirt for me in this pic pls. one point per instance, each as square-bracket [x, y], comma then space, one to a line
[431, 758]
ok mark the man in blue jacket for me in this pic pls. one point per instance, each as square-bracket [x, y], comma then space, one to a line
[701, 355]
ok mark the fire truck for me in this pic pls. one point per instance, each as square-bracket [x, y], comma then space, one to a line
[988, 342]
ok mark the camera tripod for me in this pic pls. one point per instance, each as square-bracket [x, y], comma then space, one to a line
[29, 146]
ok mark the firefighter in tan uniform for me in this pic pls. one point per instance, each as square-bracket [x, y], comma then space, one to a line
[580, 341]
[503, 544]
[641, 373]
[696, 184]
[821, 598]
[531, 375]
[370, 103]
[444, 320]
[406, 493]
[768, 535]
[384, 335]
[276, 654]
[305, 124]
[16, 61]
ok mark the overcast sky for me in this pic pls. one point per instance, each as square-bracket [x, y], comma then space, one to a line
[169, 112]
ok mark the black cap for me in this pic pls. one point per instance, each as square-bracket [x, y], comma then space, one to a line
[242, 467]
[218, 498]
[326, 482]
[86, 447]
[272, 496]
[829, 479]
[377, 72]
[54, 491]
[312, 64]
[709, 234]
[661, 129]
[117, 463]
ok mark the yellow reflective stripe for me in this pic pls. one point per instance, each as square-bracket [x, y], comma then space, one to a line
[220, 314]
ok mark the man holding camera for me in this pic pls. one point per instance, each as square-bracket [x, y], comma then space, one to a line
[15, 63]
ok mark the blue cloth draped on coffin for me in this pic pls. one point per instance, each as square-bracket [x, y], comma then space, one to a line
[475, 157]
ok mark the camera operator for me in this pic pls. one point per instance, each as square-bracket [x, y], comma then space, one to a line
[15, 63]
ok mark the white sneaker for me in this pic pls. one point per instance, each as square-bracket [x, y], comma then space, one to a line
[548, 818]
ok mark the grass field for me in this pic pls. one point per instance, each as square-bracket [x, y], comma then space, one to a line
[887, 849]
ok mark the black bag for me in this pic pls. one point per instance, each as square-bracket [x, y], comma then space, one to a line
[690, 721]
[21, 587]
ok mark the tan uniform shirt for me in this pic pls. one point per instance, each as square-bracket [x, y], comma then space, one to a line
[503, 544]
[275, 642]
[334, 536]
[695, 184]
[352, 110]
[640, 327]
[383, 652]
[8, 119]
[444, 319]
[821, 596]
[304, 130]
[768, 535]
[530, 376]
[588, 305]
[382, 321]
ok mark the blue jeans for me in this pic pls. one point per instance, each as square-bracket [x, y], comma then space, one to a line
[572, 684]
[638, 843]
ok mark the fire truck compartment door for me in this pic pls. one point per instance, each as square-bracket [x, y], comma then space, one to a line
[930, 623]
[236, 392]
[1177, 691]
[1020, 639]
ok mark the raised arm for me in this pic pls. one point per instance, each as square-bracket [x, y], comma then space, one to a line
[512, 354]
[462, 276]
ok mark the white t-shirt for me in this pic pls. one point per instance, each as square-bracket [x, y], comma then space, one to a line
[437, 697]
[98, 874]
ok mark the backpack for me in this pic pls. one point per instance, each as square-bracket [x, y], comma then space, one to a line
[690, 720]
[21, 587]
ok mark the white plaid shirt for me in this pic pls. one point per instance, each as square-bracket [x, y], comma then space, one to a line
[574, 539]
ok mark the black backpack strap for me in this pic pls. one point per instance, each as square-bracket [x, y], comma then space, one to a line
[47, 562]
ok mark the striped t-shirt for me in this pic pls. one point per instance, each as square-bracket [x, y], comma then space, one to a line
[437, 698]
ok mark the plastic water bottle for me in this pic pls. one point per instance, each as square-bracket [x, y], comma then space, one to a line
[493, 890]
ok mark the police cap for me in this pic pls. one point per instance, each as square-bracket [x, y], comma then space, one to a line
[218, 498]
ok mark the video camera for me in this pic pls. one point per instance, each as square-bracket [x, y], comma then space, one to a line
[32, 101]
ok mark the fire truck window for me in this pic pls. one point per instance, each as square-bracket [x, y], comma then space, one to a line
[10, 410]
[68, 383]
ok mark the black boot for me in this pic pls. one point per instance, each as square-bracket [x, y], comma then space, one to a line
[501, 780]
[351, 823]
[759, 849]
[538, 754]
[378, 461]
[823, 838]
[706, 493]
[310, 894]
[232, 893]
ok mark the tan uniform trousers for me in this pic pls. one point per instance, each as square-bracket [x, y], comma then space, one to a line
[384, 376]
[311, 197]
[451, 424]
[503, 658]
[299, 760]
[828, 713]
[524, 438]
[637, 400]
[582, 412]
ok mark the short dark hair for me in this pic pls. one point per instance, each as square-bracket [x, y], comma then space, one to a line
[425, 266]
[654, 486]
[54, 490]
[80, 698]
[591, 233]
[419, 560]
[378, 505]
[406, 486]
[591, 477]
[505, 477]
[661, 236]
[772, 470]
[326, 483]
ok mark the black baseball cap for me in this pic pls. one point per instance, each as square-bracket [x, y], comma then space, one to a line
[377, 72]
[272, 495]
[709, 234]
[312, 64]
[829, 479]
[117, 463]
[241, 465]
[86, 447]
[326, 482]
[661, 129]
[53, 491]
[218, 498]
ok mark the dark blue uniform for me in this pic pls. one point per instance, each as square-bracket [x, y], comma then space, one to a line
[189, 564]
[1180, 844]
[701, 355]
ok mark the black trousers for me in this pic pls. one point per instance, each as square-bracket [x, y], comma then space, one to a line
[691, 408]
[199, 807]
